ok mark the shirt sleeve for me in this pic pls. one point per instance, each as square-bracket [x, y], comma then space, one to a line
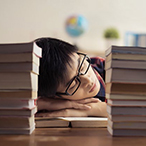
[98, 64]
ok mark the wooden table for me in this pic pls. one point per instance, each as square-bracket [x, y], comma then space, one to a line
[70, 137]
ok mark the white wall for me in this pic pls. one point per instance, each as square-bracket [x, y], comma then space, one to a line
[25, 20]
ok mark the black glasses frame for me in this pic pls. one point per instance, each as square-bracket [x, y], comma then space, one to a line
[77, 76]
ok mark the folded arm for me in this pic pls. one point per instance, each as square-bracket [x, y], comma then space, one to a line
[69, 108]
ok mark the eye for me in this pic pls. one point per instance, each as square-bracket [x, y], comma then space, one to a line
[82, 68]
[73, 85]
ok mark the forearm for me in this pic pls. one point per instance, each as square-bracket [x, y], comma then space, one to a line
[98, 110]
[53, 104]
[42, 104]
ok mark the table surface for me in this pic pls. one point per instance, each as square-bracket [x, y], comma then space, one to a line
[70, 137]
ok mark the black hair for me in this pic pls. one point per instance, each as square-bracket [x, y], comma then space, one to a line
[52, 71]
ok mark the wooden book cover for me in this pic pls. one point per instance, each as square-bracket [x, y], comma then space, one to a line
[26, 47]
[126, 110]
[125, 50]
[21, 80]
[26, 94]
[20, 57]
[19, 67]
[16, 122]
[18, 112]
[16, 103]
[125, 75]
[126, 132]
[126, 88]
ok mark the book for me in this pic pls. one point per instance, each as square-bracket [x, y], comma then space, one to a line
[126, 110]
[126, 64]
[124, 56]
[19, 67]
[126, 102]
[27, 94]
[17, 76]
[126, 132]
[127, 124]
[50, 122]
[16, 103]
[19, 70]
[71, 122]
[123, 96]
[26, 131]
[18, 80]
[18, 112]
[120, 118]
[125, 50]
[87, 121]
[125, 75]
[26, 47]
[16, 122]
[20, 57]
[126, 88]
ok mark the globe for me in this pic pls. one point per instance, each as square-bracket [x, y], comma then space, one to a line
[76, 25]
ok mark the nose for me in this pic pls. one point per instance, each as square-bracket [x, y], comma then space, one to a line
[85, 80]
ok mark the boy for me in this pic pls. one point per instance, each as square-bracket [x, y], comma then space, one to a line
[68, 84]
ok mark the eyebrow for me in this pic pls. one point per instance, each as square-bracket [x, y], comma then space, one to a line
[74, 76]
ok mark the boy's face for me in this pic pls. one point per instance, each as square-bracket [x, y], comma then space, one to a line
[89, 85]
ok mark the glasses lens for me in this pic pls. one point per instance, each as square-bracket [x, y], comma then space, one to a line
[85, 63]
[74, 85]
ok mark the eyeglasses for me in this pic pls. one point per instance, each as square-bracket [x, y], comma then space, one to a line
[75, 82]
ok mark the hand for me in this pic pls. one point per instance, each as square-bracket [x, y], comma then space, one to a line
[52, 104]
[97, 109]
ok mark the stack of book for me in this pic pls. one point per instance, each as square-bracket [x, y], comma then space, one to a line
[126, 90]
[19, 69]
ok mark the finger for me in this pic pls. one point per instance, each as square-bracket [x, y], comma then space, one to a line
[76, 105]
[88, 100]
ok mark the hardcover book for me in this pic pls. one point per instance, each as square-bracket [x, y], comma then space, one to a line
[26, 47]
[27, 94]
[20, 57]
[125, 50]
[125, 75]
[126, 132]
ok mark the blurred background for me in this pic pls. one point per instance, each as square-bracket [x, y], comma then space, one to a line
[99, 23]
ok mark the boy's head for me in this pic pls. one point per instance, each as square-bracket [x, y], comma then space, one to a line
[59, 64]
[55, 57]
